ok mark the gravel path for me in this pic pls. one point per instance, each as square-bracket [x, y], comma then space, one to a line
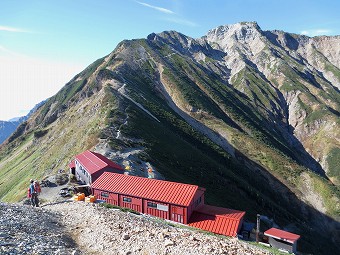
[98, 230]
[81, 228]
[28, 230]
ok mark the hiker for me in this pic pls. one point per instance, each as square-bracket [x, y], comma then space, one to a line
[34, 194]
[37, 187]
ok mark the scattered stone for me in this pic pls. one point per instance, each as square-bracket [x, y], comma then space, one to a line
[125, 236]
[168, 243]
[77, 229]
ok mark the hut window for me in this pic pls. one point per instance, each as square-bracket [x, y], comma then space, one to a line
[153, 205]
[127, 199]
[104, 194]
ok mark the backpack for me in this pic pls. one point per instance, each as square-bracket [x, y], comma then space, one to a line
[29, 193]
[37, 187]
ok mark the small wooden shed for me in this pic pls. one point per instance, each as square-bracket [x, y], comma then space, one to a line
[282, 239]
[90, 165]
[168, 200]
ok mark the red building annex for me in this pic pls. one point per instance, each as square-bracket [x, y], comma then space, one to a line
[183, 203]
[168, 200]
[88, 166]
[218, 220]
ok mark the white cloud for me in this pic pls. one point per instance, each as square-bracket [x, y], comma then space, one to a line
[182, 22]
[25, 82]
[7, 52]
[12, 29]
[157, 8]
[316, 32]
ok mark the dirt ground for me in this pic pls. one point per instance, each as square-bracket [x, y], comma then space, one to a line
[51, 192]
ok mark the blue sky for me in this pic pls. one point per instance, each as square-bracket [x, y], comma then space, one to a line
[44, 43]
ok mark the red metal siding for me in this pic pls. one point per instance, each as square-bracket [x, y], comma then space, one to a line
[194, 203]
[135, 204]
[178, 214]
[156, 212]
[111, 198]
[156, 190]
[114, 199]
[94, 176]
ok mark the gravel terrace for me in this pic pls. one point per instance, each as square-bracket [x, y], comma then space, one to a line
[83, 228]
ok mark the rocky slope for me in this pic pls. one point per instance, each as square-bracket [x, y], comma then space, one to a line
[302, 77]
[78, 228]
[250, 115]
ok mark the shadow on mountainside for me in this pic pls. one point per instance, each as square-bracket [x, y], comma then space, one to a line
[286, 130]
[237, 183]
[320, 233]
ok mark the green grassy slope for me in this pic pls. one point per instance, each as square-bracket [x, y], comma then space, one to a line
[264, 176]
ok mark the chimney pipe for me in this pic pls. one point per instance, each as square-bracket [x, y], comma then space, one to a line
[257, 227]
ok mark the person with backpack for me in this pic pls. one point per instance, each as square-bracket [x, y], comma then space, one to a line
[33, 192]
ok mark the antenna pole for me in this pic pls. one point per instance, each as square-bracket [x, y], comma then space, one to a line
[257, 227]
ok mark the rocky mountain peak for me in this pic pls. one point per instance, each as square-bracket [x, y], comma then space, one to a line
[264, 102]
[172, 37]
[240, 31]
[245, 37]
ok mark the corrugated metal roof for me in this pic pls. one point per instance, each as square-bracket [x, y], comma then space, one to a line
[93, 161]
[218, 220]
[281, 234]
[158, 190]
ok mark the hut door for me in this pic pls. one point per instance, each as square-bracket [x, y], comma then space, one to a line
[177, 217]
[177, 214]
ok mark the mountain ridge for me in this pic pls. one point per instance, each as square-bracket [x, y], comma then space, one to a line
[8, 127]
[232, 116]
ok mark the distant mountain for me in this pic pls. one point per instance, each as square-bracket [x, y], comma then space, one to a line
[8, 127]
[15, 119]
[251, 115]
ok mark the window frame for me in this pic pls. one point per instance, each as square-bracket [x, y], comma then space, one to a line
[127, 199]
[152, 205]
[104, 194]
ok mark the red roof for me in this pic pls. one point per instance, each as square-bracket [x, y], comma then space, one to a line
[72, 164]
[94, 161]
[218, 220]
[282, 235]
[157, 190]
